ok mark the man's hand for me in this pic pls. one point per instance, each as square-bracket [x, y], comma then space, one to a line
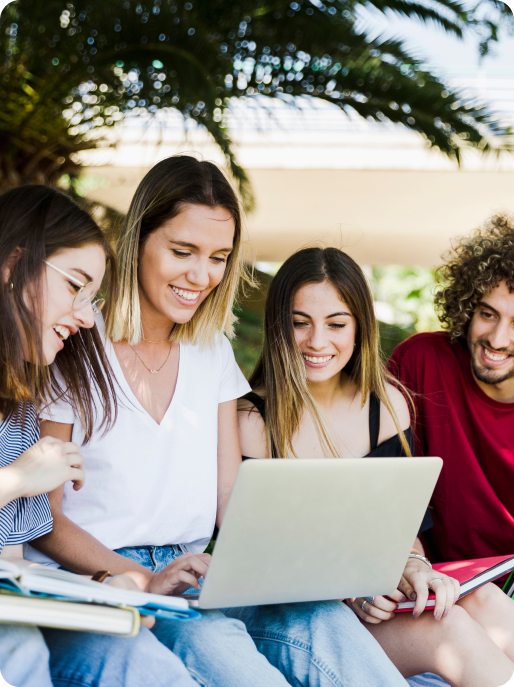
[416, 583]
[180, 575]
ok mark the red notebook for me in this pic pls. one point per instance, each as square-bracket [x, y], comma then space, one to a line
[471, 575]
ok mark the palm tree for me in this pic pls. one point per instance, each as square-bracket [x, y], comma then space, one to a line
[71, 68]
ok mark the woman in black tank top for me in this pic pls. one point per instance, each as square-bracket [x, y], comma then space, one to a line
[320, 389]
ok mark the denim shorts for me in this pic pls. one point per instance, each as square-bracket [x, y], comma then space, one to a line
[154, 558]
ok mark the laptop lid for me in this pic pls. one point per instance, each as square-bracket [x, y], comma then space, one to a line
[317, 529]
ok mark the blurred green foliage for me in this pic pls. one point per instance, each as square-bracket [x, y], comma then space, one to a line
[250, 327]
[391, 335]
[410, 293]
[247, 345]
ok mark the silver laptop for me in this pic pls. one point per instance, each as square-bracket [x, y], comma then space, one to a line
[317, 529]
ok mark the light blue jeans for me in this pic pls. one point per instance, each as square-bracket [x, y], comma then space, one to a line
[82, 659]
[304, 644]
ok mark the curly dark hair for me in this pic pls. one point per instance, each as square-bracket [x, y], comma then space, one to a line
[475, 265]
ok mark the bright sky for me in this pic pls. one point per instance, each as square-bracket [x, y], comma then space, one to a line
[443, 51]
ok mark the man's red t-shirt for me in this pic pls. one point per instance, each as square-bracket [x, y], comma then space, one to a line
[473, 503]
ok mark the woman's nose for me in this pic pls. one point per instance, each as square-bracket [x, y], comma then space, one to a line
[199, 274]
[85, 317]
[317, 339]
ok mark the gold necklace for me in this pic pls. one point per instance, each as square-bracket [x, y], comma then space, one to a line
[148, 340]
[141, 359]
[156, 342]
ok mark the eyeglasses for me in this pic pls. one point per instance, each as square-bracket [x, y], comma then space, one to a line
[85, 294]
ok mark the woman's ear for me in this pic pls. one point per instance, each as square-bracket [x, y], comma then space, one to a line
[9, 265]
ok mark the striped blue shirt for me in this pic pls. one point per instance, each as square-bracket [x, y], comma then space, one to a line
[25, 518]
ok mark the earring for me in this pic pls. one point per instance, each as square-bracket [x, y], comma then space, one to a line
[12, 286]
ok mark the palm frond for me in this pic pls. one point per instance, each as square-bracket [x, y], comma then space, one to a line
[222, 138]
[67, 71]
[451, 16]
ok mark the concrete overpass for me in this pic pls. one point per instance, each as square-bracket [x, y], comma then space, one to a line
[373, 189]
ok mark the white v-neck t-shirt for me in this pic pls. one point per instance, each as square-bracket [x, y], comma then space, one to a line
[151, 484]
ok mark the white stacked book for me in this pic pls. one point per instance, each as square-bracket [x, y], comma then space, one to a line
[38, 595]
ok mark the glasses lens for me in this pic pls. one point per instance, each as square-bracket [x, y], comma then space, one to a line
[98, 305]
[84, 296]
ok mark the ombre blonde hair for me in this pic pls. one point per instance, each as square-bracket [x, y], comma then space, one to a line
[280, 373]
[161, 195]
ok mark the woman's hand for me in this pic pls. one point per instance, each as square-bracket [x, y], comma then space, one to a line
[416, 583]
[43, 467]
[126, 582]
[381, 609]
[180, 575]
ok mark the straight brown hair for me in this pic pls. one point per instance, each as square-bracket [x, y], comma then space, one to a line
[35, 223]
[280, 371]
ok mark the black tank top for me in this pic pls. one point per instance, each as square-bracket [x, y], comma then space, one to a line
[391, 448]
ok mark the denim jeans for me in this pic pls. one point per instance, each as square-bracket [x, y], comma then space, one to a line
[318, 644]
[82, 659]
[24, 657]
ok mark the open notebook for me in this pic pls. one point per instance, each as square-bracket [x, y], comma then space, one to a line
[55, 598]
[470, 574]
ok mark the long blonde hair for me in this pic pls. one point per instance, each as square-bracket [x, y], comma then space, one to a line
[166, 188]
[280, 372]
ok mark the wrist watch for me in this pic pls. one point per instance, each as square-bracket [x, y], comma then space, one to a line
[102, 576]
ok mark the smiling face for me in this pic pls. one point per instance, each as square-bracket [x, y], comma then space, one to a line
[491, 337]
[59, 319]
[182, 262]
[325, 330]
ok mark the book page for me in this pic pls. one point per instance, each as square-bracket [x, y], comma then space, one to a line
[61, 583]
[8, 569]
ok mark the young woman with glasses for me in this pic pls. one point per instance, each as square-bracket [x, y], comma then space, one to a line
[160, 479]
[319, 389]
[52, 261]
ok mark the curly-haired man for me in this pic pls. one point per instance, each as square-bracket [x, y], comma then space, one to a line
[462, 382]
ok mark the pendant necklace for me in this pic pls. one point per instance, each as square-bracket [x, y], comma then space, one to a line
[149, 369]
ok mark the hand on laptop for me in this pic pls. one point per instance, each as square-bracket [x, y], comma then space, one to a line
[417, 582]
[180, 575]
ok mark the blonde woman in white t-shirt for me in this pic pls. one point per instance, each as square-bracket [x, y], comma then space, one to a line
[160, 479]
